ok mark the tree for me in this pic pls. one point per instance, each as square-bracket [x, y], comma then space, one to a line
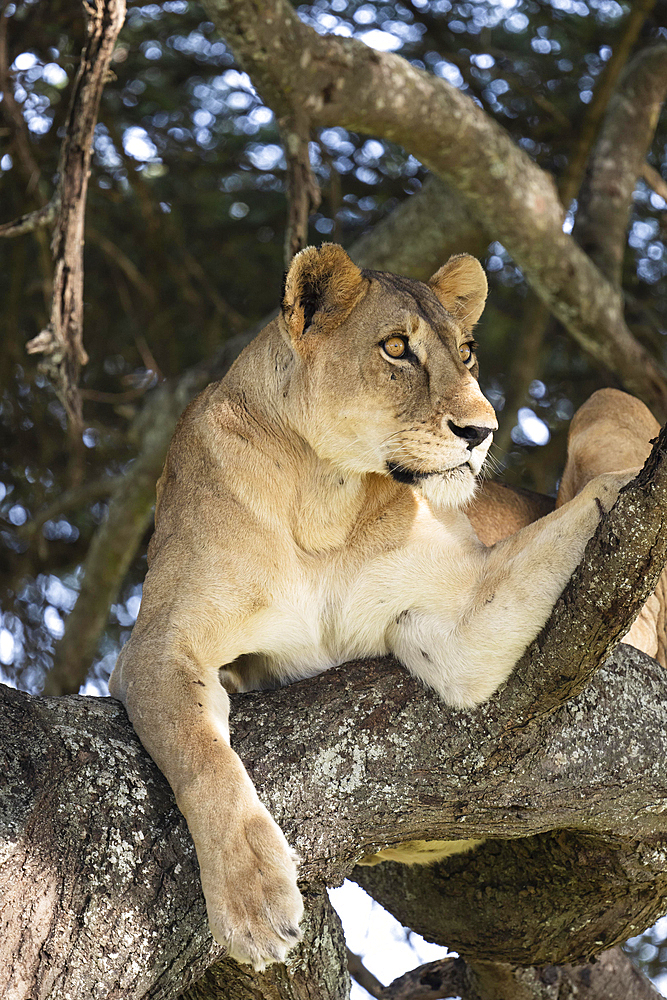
[485, 783]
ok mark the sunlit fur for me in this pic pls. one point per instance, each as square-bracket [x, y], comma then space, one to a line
[308, 514]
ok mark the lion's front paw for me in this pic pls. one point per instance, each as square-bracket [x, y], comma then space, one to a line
[254, 905]
[606, 487]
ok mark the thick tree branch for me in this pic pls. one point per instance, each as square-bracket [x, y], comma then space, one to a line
[390, 775]
[62, 340]
[620, 570]
[618, 160]
[611, 977]
[421, 234]
[316, 970]
[343, 82]
[97, 860]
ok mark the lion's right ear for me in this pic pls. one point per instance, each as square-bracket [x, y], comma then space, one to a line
[461, 286]
[321, 288]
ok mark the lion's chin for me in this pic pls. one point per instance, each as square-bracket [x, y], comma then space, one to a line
[452, 488]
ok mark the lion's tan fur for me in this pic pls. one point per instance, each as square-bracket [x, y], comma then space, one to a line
[309, 513]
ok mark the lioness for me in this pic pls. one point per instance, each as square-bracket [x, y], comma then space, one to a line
[309, 513]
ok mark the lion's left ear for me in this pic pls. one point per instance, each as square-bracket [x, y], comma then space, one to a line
[461, 286]
[322, 287]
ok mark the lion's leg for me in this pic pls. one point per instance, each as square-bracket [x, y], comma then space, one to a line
[167, 677]
[459, 615]
[613, 431]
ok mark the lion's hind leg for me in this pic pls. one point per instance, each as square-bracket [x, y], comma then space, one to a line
[610, 432]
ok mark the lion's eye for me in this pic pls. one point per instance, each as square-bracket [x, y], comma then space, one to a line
[467, 352]
[395, 347]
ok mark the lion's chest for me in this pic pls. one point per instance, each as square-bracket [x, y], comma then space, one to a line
[326, 611]
[305, 629]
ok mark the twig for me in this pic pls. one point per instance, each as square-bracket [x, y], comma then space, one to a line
[123, 262]
[146, 355]
[70, 499]
[654, 180]
[361, 975]
[97, 396]
[234, 319]
[33, 220]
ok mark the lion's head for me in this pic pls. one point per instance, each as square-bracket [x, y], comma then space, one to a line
[382, 373]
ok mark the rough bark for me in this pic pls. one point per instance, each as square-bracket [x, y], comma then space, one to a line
[62, 340]
[343, 82]
[99, 883]
[316, 970]
[98, 862]
[611, 977]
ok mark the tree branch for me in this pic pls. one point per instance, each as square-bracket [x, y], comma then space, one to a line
[343, 82]
[619, 571]
[362, 976]
[62, 340]
[34, 220]
[315, 970]
[595, 111]
[303, 193]
[96, 851]
[618, 160]
[421, 234]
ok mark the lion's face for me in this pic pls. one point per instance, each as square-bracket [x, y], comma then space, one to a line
[384, 375]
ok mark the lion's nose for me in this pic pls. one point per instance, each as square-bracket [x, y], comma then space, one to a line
[473, 435]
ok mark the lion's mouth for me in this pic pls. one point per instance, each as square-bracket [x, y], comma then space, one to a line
[410, 477]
